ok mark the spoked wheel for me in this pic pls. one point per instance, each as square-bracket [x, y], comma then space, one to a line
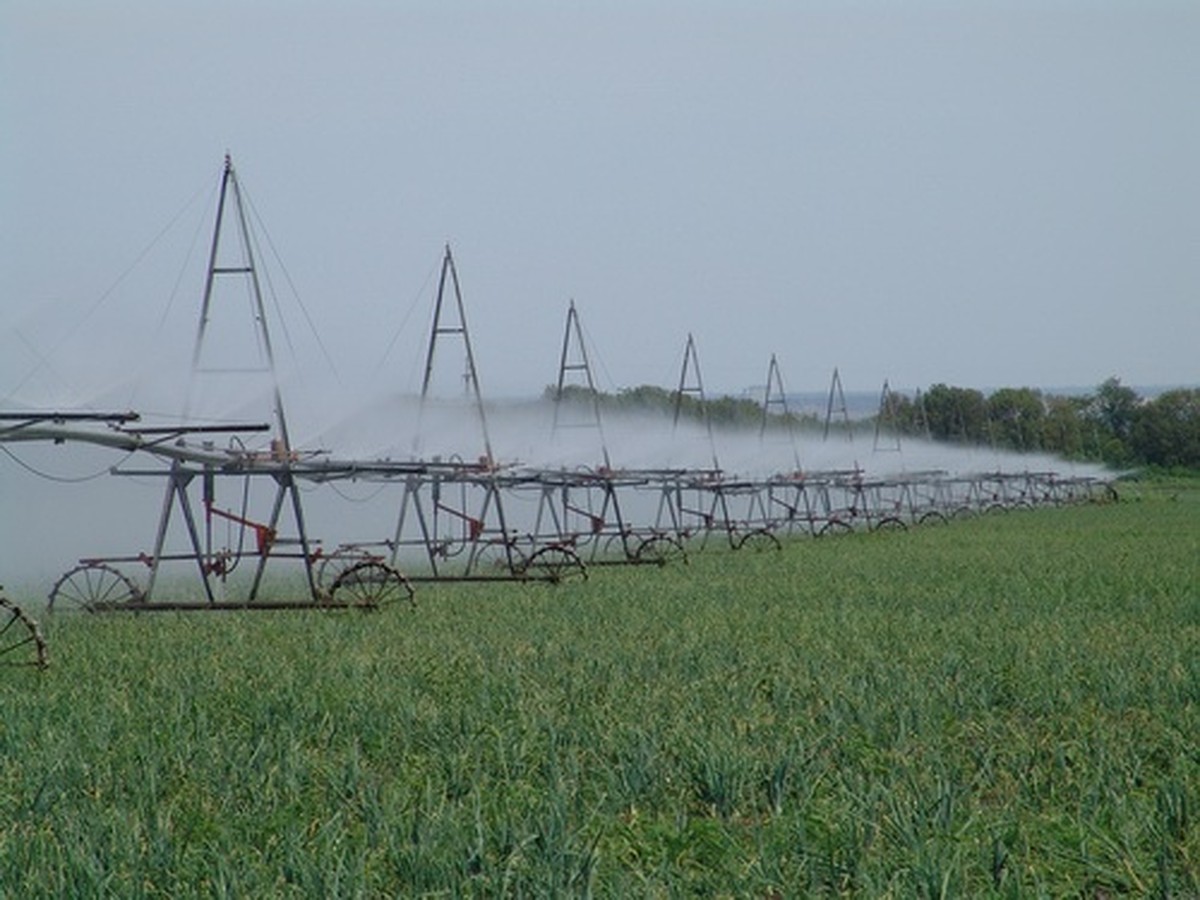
[890, 523]
[759, 541]
[93, 587]
[21, 641]
[659, 550]
[833, 527]
[499, 556]
[341, 559]
[371, 584]
[555, 564]
[621, 544]
[933, 517]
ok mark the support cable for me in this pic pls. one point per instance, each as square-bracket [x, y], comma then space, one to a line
[80, 321]
[404, 323]
[292, 286]
[61, 479]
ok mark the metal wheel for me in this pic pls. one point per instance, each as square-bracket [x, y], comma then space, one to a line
[933, 517]
[833, 527]
[371, 584]
[758, 540]
[497, 556]
[621, 544]
[93, 587]
[21, 641]
[341, 559]
[890, 523]
[555, 564]
[659, 550]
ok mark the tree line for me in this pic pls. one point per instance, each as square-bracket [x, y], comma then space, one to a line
[1112, 424]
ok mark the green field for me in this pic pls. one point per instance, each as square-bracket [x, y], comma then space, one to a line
[1005, 706]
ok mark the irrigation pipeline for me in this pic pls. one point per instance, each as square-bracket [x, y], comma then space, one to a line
[479, 521]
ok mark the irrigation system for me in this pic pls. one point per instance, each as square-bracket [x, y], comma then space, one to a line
[233, 508]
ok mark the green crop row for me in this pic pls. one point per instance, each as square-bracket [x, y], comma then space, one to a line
[1006, 706]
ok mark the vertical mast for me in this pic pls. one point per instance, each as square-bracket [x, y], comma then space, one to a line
[691, 362]
[775, 395]
[835, 390]
[245, 269]
[471, 375]
[574, 334]
[887, 425]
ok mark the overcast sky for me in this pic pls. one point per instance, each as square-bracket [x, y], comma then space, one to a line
[984, 194]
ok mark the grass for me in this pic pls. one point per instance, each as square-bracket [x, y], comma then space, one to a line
[1007, 706]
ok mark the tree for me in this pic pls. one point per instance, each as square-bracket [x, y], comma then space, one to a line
[729, 411]
[907, 415]
[1115, 407]
[1166, 431]
[1018, 418]
[1065, 427]
[956, 414]
[647, 398]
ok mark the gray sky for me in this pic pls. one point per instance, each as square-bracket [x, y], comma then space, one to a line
[984, 194]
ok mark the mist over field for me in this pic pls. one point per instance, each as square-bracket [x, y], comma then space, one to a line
[62, 504]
